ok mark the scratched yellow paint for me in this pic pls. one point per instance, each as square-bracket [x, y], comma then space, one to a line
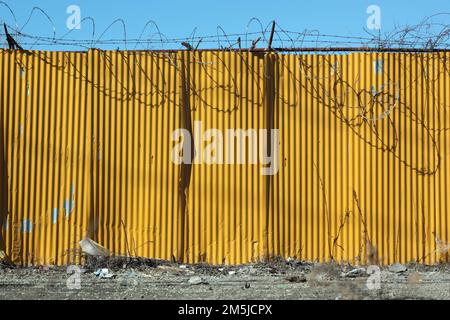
[363, 156]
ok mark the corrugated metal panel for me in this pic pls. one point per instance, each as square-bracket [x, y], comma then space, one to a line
[47, 145]
[227, 203]
[364, 146]
[363, 155]
[135, 109]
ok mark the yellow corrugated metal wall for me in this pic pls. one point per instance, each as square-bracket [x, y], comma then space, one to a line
[363, 152]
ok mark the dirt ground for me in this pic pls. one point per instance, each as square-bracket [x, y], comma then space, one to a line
[151, 279]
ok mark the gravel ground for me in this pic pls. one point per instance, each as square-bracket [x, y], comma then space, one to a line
[275, 280]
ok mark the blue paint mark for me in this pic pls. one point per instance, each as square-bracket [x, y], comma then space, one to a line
[27, 226]
[378, 66]
[6, 225]
[22, 72]
[374, 91]
[70, 204]
[55, 215]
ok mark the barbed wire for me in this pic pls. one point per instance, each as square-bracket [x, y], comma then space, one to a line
[427, 34]
[372, 114]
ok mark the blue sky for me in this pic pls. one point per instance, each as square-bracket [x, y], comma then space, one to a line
[178, 18]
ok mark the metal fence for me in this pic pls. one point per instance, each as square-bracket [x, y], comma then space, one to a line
[362, 156]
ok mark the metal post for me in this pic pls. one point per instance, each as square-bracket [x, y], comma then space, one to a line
[269, 46]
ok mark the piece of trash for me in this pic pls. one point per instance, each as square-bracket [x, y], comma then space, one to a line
[231, 273]
[358, 272]
[221, 269]
[104, 273]
[397, 268]
[297, 278]
[145, 275]
[247, 285]
[183, 266]
[92, 248]
[247, 270]
[195, 280]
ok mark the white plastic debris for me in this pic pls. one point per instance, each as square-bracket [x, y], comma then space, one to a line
[104, 273]
[195, 280]
[247, 270]
[358, 272]
[397, 268]
[92, 248]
